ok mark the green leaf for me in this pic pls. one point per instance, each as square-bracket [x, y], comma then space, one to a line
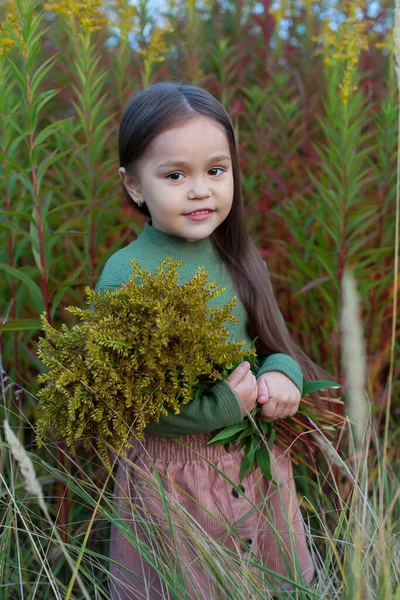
[228, 431]
[248, 431]
[49, 130]
[314, 386]
[264, 462]
[247, 463]
[40, 72]
[14, 213]
[272, 438]
[19, 274]
[252, 447]
[244, 467]
[265, 427]
[44, 98]
[13, 227]
[21, 325]
[232, 438]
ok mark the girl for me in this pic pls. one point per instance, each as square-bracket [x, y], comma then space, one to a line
[180, 166]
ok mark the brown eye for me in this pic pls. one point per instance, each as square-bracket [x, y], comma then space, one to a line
[216, 169]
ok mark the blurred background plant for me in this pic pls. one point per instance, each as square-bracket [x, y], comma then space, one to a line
[312, 91]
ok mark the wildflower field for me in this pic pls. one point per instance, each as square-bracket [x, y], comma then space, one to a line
[313, 91]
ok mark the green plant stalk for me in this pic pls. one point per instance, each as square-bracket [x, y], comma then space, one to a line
[88, 105]
[7, 134]
[34, 103]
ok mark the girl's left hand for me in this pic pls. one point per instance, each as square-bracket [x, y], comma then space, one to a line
[285, 394]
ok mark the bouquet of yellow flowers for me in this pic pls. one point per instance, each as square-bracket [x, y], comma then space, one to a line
[147, 346]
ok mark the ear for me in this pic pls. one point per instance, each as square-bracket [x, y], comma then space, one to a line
[131, 185]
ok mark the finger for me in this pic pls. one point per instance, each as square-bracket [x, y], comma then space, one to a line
[239, 374]
[263, 391]
[292, 407]
[284, 409]
[269, 408]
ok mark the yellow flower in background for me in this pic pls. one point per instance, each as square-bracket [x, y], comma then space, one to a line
[282, 11]
[286, 8]
[344, 46]
[156, 48]
[10, 19]
[88, 14]
[125, 18]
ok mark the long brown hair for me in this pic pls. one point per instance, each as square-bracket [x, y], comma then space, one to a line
[165, 105]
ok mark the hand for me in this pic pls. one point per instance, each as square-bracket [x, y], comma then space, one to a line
[285, 396]
[244, 384]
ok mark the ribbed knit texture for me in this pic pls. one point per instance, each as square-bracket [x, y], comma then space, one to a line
[219, 406]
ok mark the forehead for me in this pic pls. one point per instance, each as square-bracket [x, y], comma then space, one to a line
[200, 137]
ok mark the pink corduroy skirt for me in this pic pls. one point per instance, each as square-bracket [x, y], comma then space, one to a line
[248, 520]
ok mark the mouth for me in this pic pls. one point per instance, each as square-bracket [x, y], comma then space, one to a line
[200, 210]
[200, 214]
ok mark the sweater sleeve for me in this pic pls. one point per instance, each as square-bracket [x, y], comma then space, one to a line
[216, 408]
[283, 363]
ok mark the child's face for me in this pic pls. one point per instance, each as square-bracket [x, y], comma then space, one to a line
[173, 190]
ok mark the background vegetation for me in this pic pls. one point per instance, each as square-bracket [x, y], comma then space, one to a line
[311, 87]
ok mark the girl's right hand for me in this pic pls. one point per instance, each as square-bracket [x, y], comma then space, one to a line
[244, 384]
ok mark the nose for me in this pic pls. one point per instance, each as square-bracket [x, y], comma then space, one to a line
[200, 190]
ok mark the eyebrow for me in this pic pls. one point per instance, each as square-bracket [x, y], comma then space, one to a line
[184, 163]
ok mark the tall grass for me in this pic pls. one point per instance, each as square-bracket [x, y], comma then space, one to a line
[320, 177]
[355, 552]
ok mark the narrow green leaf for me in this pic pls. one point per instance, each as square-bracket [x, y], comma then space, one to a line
[248, 431]
[45, 133]
[252, 447]
[244, 467]
[272, 437]
[232, 438]
[41, 72]
[69, 205]
[19, 274]
[18, 75]
[47, 162]
[264, 462]
[21, 325]
[265, 428]
[228, 431]
[13, 227]
[27, 183]
[314, 386]
[14, 213]
[46, 97]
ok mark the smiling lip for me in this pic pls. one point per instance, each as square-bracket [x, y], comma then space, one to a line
[205, 208]
[199, 217]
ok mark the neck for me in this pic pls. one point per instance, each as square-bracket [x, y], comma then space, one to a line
[160, 244]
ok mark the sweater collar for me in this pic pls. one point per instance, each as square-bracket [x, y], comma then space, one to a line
[160, 244]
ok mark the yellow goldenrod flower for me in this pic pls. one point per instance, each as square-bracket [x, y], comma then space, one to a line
[88, 14]
[144, 347]
[344, 46]
[10, 19]
[124, 17]
[156, 48]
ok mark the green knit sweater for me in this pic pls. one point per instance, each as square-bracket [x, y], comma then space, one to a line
[219, 406]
